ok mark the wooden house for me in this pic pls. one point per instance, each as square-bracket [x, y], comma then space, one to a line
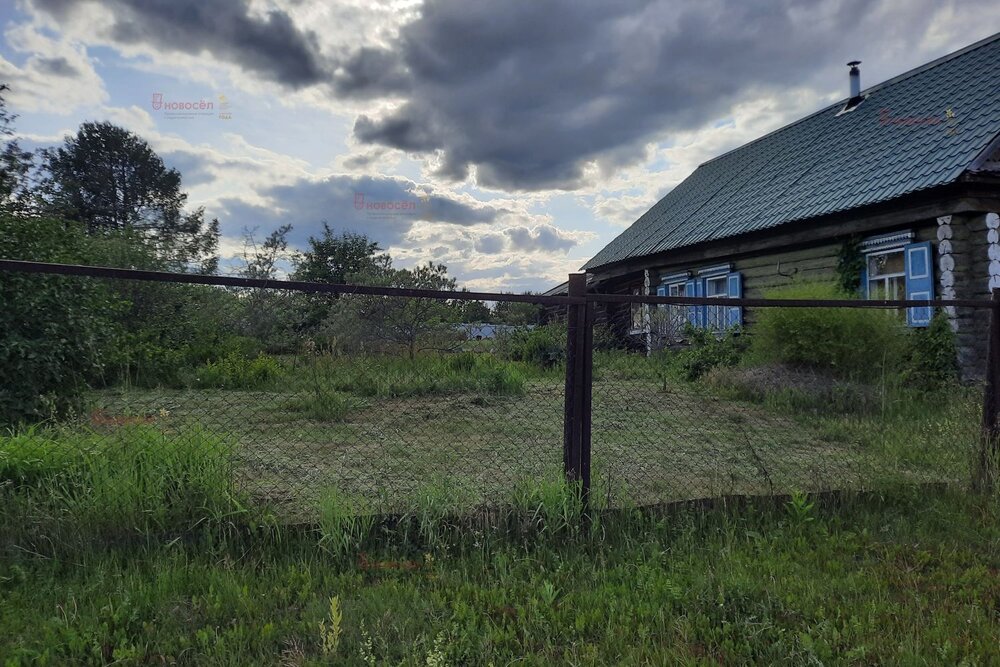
[902, 177]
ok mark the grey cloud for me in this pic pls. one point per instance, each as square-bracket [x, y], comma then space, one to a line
[194, 169]
[541, 237]
[58, 67]
[269, 45]
[335, 200]
[490, 244]
[529, 92]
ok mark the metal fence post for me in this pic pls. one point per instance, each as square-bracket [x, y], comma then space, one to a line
[988, 448]
[579, 377]
[574, 367]
[586, 403]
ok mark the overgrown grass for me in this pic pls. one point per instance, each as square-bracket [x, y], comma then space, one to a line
[59, 485]
[898, 426]
[904, 580]
[398, 377]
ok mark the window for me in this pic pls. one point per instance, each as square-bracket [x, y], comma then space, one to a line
[716, 287]
[718, 282]
[637, 311]
[886, 275]
[675, 314]
[896, 268]
[667, 321]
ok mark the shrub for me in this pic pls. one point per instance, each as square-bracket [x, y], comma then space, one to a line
[207, 349]
[853, 343]
[140, 362]
[931, 356]
[501, 379]
[707, 350]
[543, 346]
[234, 371]
[52, 328]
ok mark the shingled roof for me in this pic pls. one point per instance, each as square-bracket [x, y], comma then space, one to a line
[887, 147]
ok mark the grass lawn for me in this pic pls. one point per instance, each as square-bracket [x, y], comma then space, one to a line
[383, 431]
[141, 537]
[905, 580]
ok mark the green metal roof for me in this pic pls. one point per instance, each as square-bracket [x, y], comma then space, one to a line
[885, 148]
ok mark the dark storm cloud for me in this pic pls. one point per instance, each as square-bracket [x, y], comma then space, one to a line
[343, 202]
[528, 92]
[270, 45]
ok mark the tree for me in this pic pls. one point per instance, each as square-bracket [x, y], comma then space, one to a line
[111, 180]
[15, 163]
[268, 315]
[473, 312]
[334, 259]
[403, 321]
[518, 313]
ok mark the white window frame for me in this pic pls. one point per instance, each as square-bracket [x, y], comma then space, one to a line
[676, 315]
[886, 277]
[637, 308]
[716, 316]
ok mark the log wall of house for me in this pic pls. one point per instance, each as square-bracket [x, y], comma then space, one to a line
[966, 265]
[971, 255]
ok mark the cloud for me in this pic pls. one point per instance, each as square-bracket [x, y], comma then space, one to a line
[56, 77]
[545, 238]
[529, 95]
[384, 209]
[268, 44]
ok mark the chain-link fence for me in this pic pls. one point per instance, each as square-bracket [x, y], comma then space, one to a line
[379, 398]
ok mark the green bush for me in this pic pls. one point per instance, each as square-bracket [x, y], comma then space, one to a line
[544, 346]
[205, 349]
[853, 343]
[137, 361]
[52, 328]
[931, 357]
[235, 371]
[707, 350]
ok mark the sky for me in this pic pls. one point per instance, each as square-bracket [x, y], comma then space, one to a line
[507, 140]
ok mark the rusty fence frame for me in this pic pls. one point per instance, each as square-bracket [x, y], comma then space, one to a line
[580, 317]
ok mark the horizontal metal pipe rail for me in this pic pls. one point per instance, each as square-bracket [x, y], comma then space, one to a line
[788, 303]
[290, 285]
[540, 299]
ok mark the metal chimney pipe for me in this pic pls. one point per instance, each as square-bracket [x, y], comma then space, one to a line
[855, 75]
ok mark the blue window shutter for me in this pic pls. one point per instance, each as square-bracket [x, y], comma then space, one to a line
[702, 311]
[734, 290]
[691, 289]
[661, 290]
[917, 260]
[863, 290]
